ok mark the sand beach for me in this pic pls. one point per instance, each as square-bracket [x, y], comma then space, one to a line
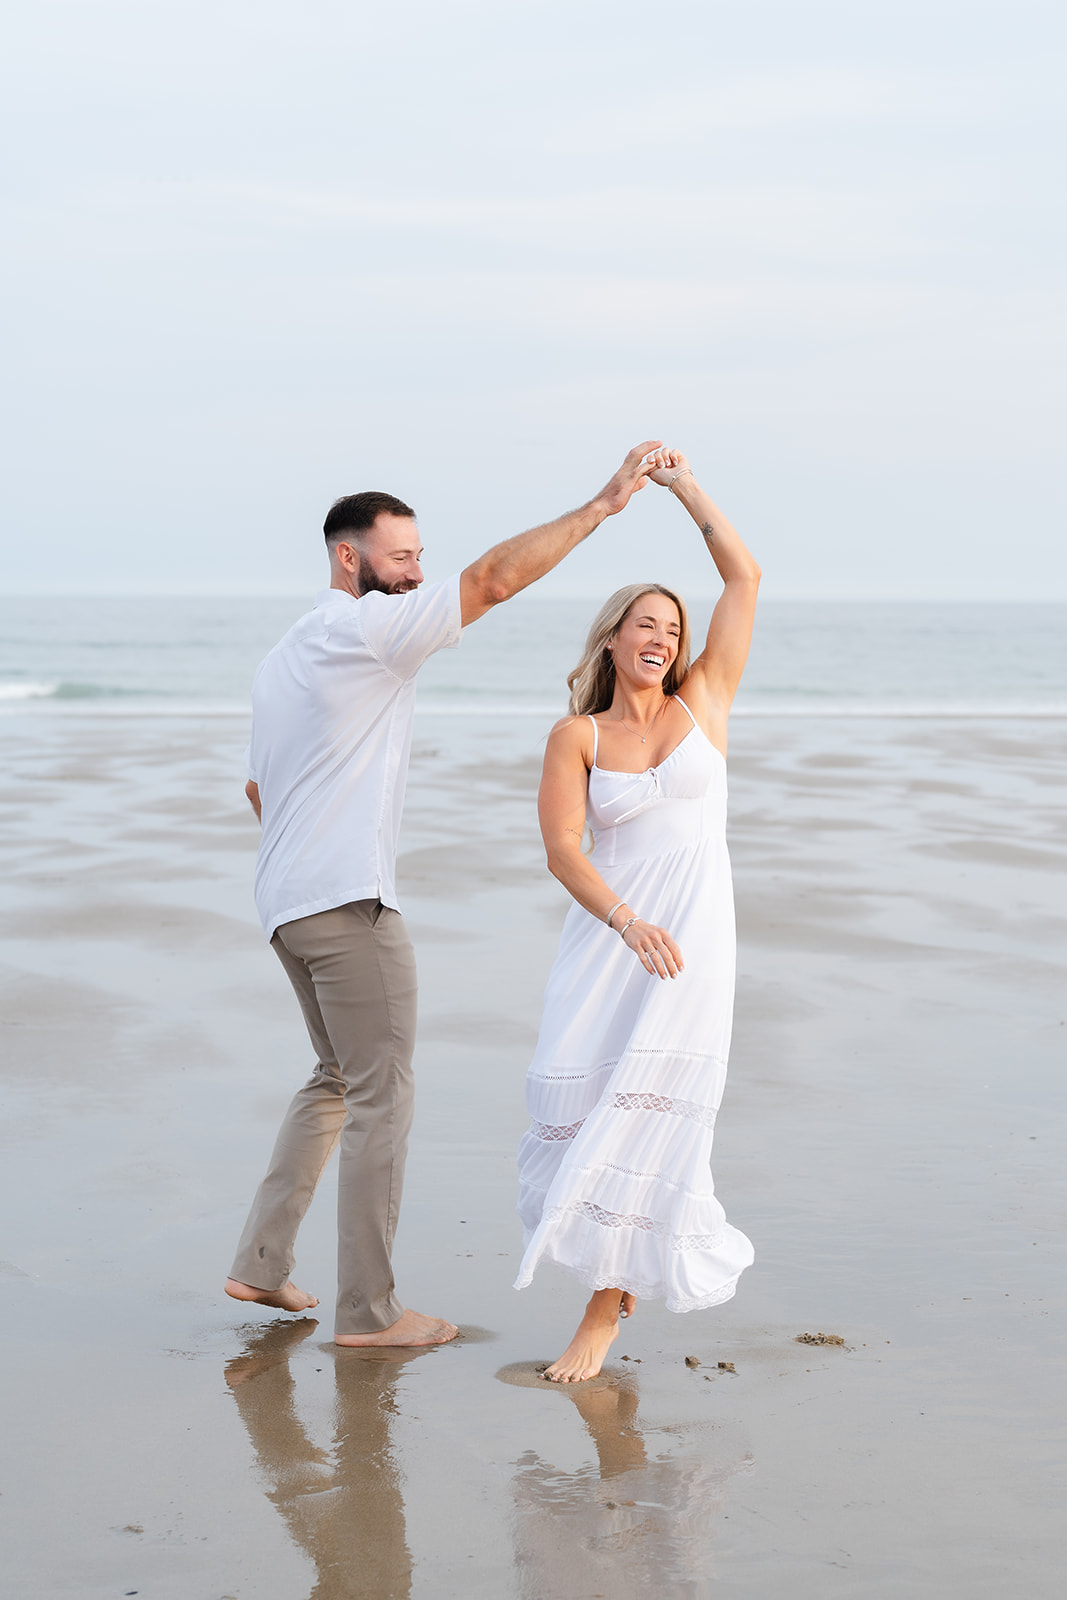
[891, 1141]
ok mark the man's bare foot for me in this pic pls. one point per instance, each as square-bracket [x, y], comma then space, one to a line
[584, 1356]
[287, 1298]
[408, 1330]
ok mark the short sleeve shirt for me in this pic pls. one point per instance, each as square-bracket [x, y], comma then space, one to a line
[332, 711]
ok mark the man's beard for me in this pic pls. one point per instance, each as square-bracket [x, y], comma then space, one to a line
[369, 580]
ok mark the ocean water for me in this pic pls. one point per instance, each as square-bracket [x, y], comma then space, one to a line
[160, 656]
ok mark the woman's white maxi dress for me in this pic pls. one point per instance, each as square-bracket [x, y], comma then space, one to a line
[615, 1180]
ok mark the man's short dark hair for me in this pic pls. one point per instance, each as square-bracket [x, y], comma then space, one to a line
[354, 514]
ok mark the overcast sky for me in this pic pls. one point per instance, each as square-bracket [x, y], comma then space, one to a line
[262, 255]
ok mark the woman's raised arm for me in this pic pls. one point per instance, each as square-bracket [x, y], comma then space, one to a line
[717, 670]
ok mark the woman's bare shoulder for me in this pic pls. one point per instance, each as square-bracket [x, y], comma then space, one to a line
[571, 736]
[569, 726]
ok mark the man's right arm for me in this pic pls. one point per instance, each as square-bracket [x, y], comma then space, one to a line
[509, 567]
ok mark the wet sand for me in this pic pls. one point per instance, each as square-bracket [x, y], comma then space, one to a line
[891, 1141]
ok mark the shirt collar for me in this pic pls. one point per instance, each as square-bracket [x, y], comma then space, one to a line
[332, 597]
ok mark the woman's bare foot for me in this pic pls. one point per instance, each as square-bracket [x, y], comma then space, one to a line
[629, 1304]
[584, 1356]
[287, 1298]
[410, 1329]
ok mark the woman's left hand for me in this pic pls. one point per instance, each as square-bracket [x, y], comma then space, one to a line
[654, 948]
[676, 463]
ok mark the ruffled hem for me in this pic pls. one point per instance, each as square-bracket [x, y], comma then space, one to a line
[640, 1291]
[688, 1270]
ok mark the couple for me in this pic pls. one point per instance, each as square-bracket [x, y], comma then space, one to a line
[615, 1179]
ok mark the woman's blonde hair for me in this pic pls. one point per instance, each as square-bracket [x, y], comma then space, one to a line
[592, 683]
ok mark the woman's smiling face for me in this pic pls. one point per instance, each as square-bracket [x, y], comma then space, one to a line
[647, 640]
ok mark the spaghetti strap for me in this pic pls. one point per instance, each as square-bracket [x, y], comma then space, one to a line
[688, 713]
[596, 735]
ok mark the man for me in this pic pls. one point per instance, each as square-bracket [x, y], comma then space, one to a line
[332, 709]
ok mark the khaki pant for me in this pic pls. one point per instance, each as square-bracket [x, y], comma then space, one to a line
[353, 970]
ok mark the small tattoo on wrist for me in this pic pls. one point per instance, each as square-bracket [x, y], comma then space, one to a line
[708, 533]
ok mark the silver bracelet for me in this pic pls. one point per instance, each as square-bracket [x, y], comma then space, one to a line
[616, 907]
[627, 925]
[678, 475]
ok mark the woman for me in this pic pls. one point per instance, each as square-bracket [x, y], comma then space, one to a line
[615, 1181]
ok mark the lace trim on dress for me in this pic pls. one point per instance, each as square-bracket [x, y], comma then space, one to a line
[609, 1219]
[561, 1133]
[652, 1050]
[618, 1219]
[549, 1132]
[631, 1172]
[572, 1077]
[662, 1102]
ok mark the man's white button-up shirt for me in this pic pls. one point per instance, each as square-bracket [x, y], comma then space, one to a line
[332, 711]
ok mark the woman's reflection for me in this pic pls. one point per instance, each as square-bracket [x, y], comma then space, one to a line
[628, 1526]
[343, 1505]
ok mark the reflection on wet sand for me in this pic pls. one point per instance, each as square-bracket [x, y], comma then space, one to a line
[342, 1506]
[628, 1526]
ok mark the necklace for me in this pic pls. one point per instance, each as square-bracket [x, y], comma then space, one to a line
[644, 736]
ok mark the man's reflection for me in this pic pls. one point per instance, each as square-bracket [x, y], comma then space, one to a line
[343, 1506]
[627, 1527]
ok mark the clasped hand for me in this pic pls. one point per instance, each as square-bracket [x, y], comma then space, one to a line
[668, 465]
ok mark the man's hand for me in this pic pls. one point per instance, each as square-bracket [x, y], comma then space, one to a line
[511, 566]
[631, 476]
